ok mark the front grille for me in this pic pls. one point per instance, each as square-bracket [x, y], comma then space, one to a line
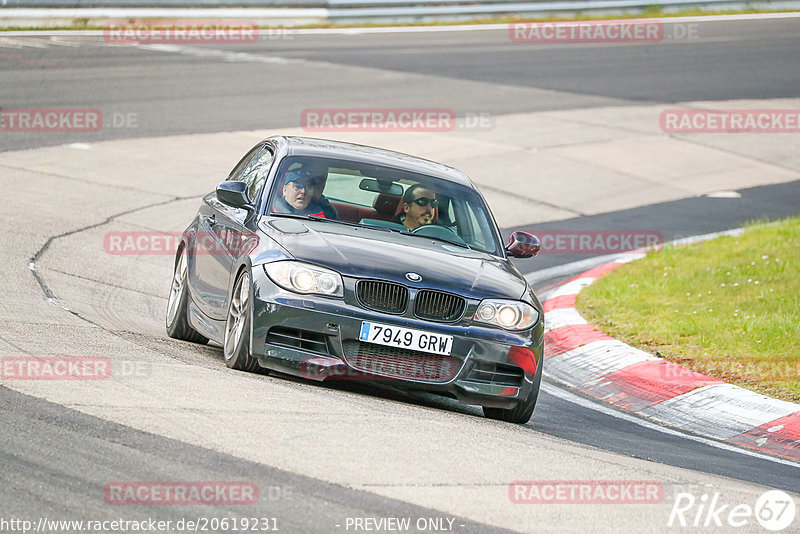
[382, 296]
[399, 363]
[298, 339]
[439, 306]
[496, 374]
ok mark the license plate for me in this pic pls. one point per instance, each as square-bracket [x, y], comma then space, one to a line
[405, 338]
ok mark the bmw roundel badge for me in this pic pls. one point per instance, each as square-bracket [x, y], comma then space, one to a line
[413, 277]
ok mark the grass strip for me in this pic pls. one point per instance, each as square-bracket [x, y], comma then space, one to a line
[728, 308]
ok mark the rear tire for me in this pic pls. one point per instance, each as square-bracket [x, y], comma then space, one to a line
[177, 321]
[237, 328]
[523, 412]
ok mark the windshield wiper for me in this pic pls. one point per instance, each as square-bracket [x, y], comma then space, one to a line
[358, 225]
[348, 223]
[318, 218]
[290, 215]
[307, 217]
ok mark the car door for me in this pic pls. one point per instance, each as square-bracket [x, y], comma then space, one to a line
[223, 236]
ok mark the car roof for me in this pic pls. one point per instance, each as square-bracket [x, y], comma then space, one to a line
[310, 146]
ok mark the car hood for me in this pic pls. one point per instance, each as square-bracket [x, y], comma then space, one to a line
[363, 252]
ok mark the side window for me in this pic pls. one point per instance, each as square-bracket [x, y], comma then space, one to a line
[255, 174]
[472, 226]
[236, 173]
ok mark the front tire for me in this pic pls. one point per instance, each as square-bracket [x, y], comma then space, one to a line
[237, 328]
[177, 321]
[523, 412]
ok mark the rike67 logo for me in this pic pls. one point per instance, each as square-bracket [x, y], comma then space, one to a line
[774, 510]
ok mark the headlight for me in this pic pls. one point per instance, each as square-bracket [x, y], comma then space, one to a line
[305, 278]
[507, 314]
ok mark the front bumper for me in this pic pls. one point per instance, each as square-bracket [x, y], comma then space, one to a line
[316, 337]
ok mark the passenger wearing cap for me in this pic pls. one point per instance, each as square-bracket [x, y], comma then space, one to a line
[298, 191]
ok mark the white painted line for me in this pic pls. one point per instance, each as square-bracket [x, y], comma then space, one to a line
[589, 364]
[721, 410]
[562, 317]
[126, 13]
[224, 55]
[572, 288]
[724, 194]
[731, 18]
[51, 33]
[633, 256]
[398, 29]
[706, 237]
[568, 396]
[569, 268]
[8, 42]
[56, 40]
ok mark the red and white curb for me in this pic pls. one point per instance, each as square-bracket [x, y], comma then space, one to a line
[593, 362]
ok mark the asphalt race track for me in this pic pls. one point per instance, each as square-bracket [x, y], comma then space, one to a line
[560, 137]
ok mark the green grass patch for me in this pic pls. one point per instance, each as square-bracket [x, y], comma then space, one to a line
[728, 308]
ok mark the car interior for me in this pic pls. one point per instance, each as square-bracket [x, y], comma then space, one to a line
[372, 196]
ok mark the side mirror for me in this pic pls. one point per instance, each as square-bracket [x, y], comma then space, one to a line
[234, 194]
[523, 244]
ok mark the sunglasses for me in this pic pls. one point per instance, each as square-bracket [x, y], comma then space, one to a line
[303, 185]
[424, 201]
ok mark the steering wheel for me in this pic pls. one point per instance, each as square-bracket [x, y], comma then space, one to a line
[439, 232]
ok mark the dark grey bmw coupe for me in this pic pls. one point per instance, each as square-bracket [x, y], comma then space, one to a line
[329, 260]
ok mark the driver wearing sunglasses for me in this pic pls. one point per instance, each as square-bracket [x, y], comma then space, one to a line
[419, 205]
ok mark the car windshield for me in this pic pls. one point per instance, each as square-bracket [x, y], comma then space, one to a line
[384, 198]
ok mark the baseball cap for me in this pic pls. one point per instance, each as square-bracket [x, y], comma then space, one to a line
[299, 176]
